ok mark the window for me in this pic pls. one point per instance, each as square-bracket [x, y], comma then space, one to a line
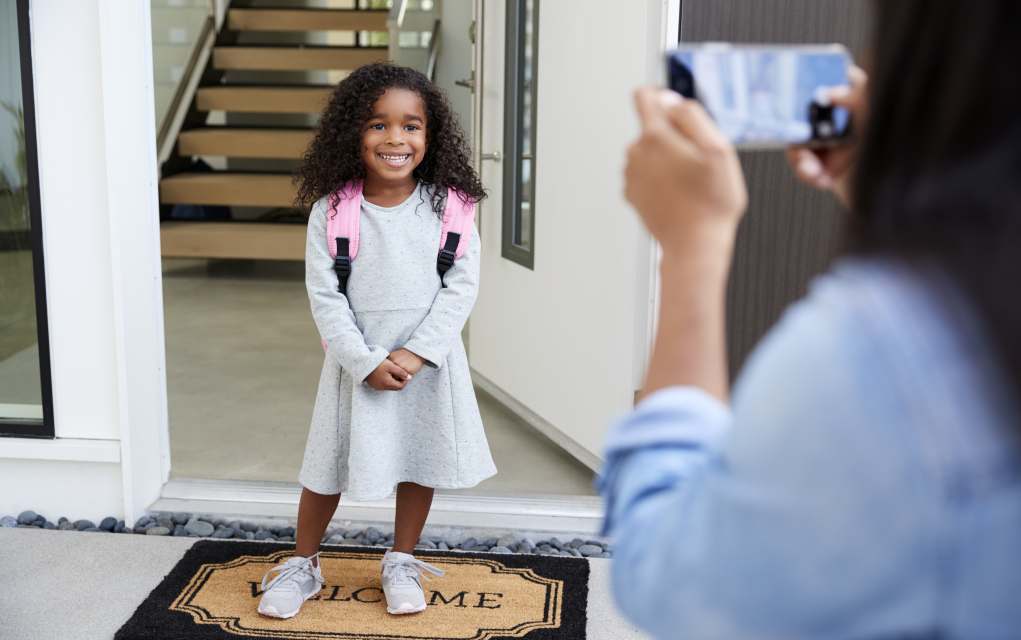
[26, 405]
[519, 132]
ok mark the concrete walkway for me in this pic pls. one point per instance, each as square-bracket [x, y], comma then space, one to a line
[63, 584]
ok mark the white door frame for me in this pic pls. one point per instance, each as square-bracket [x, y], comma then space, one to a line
[125, 35]
[133, 209]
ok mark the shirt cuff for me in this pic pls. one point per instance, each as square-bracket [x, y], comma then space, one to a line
[684, 416]
[431, 358]
[672, 433]
[364, 365]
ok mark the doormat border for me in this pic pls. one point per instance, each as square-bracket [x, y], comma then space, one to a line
[150, 619]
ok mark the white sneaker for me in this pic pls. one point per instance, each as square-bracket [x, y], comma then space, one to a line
[401, 584]
[298, 581]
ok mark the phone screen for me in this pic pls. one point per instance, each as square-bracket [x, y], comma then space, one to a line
[765, 96]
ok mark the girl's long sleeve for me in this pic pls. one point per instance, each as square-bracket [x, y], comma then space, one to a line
[451, 307]
[330, 308]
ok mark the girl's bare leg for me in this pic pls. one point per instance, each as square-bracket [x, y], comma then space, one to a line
[413, 503]
[314, 513]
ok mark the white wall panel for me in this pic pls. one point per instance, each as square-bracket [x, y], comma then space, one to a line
[73, 195]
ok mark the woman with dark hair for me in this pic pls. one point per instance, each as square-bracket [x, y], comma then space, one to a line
[865, 479]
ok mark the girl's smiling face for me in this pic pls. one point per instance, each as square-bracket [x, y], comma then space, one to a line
[394, 140]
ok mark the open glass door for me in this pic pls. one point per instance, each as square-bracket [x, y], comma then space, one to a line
[560, 330]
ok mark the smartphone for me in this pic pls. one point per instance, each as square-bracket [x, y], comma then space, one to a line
[765, 97]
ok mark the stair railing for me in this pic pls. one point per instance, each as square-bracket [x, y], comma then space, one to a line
[175, 114]
[434, 51]
[394, 22]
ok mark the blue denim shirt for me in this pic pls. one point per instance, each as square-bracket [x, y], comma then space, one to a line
[863, 484]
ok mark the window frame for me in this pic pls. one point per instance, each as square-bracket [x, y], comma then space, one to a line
[513, 109]
[13, 427]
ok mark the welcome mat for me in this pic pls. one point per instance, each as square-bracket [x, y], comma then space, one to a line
[213, 592]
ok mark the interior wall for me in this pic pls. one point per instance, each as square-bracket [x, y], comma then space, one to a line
[791, 232]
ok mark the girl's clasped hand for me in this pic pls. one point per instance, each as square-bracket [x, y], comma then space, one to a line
[396, 371]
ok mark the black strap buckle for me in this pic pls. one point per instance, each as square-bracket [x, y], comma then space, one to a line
[445, 261]
[447, 255]
[342, 265]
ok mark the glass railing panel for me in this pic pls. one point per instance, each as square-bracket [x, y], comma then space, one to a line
[176, 29]
[415, 34]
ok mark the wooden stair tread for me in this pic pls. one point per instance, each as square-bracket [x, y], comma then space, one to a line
[306, 58]
[306, 19]
[263, 99]
[241, 142]
[230, 189]
[247, 240]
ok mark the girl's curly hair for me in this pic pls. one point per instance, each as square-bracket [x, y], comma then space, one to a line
[334, 157]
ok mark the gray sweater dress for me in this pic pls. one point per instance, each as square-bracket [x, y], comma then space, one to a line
[362, 442]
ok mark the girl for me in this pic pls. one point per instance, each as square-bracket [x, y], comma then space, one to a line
[395, 407]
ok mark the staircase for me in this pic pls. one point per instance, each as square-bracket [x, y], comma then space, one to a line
[243, 76]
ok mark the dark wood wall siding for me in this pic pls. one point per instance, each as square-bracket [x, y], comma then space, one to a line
[790, 233]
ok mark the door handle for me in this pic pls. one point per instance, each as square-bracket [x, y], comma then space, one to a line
[495, 156]
[467, 83]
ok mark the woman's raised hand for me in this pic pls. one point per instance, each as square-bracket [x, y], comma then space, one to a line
[683, 176]
[830, 168]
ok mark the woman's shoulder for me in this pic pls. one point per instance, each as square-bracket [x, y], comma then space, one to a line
[881, 337]
[886, 300]
[823, 339]
[865, 326]
[890, 307]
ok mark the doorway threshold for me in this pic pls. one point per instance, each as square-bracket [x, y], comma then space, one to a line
[274, 500]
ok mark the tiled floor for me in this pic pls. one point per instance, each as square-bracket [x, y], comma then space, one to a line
[243, 362]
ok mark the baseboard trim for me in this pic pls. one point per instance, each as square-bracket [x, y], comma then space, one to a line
[274, 500]
[61, 449]
[537, 422]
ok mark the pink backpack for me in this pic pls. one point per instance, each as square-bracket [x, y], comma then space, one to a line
[342, 231]
[343, 219]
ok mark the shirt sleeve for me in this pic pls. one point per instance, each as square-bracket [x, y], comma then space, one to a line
[433, 338]
[791, 515]
[330, 308]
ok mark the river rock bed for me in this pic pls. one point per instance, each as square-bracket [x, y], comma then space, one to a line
[194, 526]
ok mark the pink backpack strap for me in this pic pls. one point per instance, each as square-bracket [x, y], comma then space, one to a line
[342, 219]
[458, 217]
